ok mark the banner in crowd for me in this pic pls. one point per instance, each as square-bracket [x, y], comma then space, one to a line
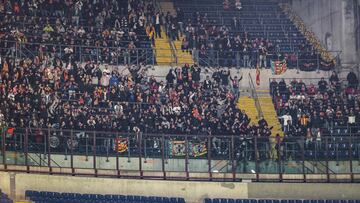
[121, 145]
[198, 149]
[10, 132]
[278, 67]
[257, 76]
[178, 148]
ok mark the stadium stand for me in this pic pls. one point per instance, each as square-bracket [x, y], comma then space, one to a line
[113, 33]
[55, 197]
[223, 200]
[256, 32]
[60, 77]
[328, 108]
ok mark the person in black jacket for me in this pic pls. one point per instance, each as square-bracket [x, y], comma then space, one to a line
[170, 77]
[352, 80]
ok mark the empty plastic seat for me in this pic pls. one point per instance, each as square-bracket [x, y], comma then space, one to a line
[207, 200]
[223, 201]
[216, 201]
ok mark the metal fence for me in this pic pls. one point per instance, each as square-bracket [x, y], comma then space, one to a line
[148, 56]
[182, 157]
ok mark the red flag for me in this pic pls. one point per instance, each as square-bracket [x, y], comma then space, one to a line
[257, 76]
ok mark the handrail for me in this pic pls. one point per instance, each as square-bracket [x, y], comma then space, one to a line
[255, 97]
[170, 41]
[41, 159]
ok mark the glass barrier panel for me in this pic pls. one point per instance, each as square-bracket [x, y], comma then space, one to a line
[269, 155]
[37, 148]
[80, 145]
[128, 151]
[15, 146]
[339, 152]
[175, 153]
[292, 156]
[355, 146]
[2, 134]
[197, 150]
[244, 155]
[106, 151]
[221, 154]
[60, 151]
[152, 153]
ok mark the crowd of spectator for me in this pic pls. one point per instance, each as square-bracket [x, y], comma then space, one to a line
[313, 110]
[90, 97]
[105, 30]
[215, 43]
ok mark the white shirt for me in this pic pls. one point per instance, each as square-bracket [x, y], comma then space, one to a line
[285, 119]
[351, 119]
[157, 20]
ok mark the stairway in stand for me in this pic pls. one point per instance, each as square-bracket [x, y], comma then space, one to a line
[270, 115]
[247, 104]
[163, 49]
[182, 57]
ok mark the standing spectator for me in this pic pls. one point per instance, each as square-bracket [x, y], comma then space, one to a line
[352, 80]
[157, 25]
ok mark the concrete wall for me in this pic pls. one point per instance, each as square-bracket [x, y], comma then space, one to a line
[160, 73]
[304, 191]
[333, 22]
[192, 191]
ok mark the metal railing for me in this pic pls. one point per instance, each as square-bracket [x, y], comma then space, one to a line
[147, 56]
[181, 157]
[255, 97]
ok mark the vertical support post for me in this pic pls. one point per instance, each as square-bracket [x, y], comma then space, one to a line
[117, 157]
[139, 135]
[318, 62]
[279, 165]
[94, 153]
[163, 156]
[297, 62]
[209, 158]
[137, 57]
[48, 151]
[351, 159]
[187, 157]
[233, 165]
[72, 154]
[3, 143]
[80, 56]
[26, 141]
[303, 158]
[256, 159]
[327, 160]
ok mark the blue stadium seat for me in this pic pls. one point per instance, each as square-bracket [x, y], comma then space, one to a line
[239, 201]
[216, 200]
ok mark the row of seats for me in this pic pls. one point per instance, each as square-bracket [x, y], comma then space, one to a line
[55, 197]
[4, 198]
[219, 200]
